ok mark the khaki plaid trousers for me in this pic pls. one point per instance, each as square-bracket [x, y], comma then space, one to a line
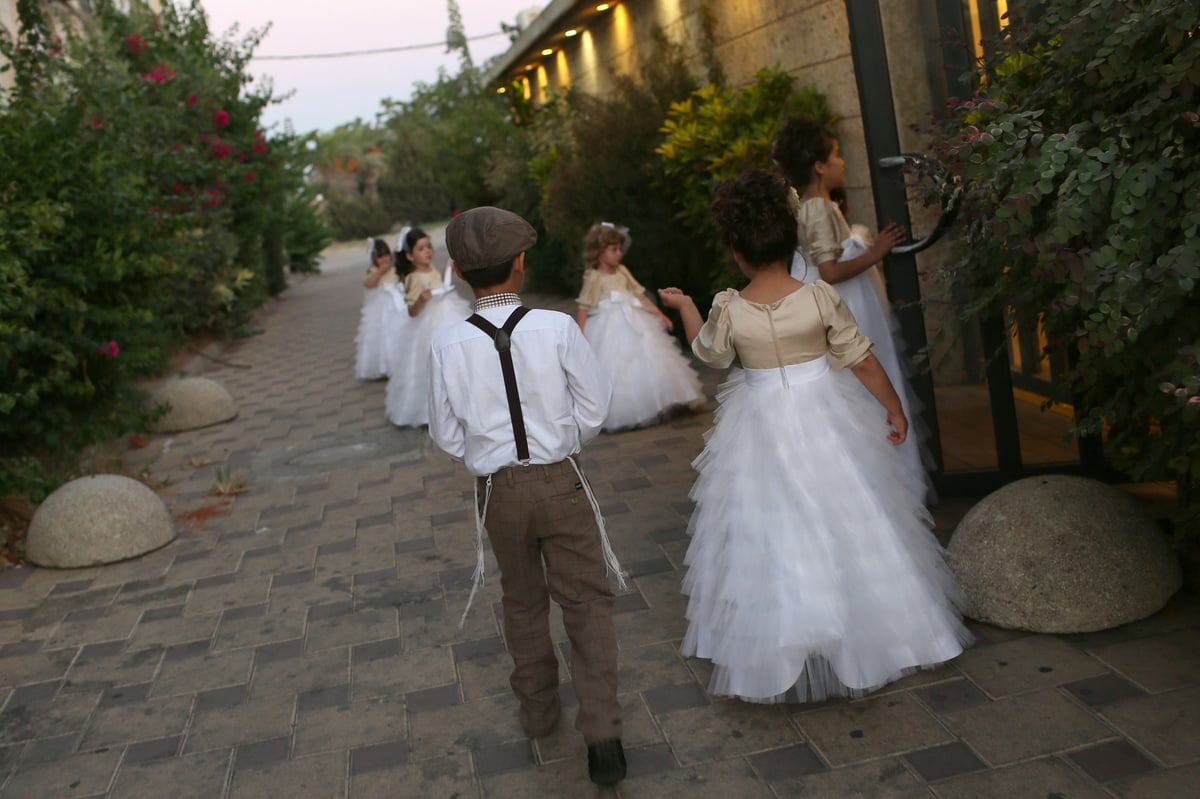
[545, 538]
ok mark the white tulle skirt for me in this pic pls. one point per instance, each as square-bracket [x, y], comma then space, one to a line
[407, 398]
[379, 330]
[811, 564]
[649, 373]
[866, 296]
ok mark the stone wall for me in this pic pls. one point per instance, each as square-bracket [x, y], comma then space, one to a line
[808, 38]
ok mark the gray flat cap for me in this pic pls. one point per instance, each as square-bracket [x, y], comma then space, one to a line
[484, 237]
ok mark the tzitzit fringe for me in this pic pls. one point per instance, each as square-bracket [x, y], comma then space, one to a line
[611, 564]
[610, 557]
[477, 579]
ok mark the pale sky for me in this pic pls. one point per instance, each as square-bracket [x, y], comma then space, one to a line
[329, 92]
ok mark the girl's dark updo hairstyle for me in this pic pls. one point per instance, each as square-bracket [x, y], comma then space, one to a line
[800, 143]
[378, 247]
[752, 216]
[404, 264]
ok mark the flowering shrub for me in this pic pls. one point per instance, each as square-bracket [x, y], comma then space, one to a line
[126, 224]
[1080, 161]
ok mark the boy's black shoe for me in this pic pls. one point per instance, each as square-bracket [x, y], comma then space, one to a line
[606, 762]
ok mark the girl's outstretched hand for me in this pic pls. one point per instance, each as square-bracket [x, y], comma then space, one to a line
[891, 236]
[673, 298]
[899, 424]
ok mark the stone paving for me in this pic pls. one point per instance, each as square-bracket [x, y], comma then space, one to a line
[301, 639]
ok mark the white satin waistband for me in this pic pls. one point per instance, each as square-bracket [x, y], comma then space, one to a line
[786, 375]
[617, 300]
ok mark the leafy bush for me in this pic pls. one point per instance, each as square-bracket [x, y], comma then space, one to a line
[440, 145]
[1080, 160]
[716, 133]
[139, 205]
[594, 161]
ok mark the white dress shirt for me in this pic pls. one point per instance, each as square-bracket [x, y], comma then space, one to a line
[564, 391]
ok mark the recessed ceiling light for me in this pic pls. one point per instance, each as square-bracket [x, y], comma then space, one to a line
[603, 7]
[548, 51]
[571, 32]
[501, 90]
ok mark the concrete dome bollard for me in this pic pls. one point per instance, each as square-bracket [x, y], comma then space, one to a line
[94, 520]
[1061, 554]
[195, 402]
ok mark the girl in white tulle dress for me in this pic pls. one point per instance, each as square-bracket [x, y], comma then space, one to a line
[383, 314]
[812, 570]
[832, 251]
[631, 337]
[432, 304]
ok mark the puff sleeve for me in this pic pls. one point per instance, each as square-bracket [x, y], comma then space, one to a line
[589, 295]
[847, 346]
[413, 286]
[819, 233]
[714, 343]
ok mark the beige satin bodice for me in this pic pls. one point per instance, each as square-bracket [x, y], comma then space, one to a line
[802, 326]
[598, 284]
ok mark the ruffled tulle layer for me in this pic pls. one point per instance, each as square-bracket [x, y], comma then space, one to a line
[379, 330]
[812, 564]
[407, 399]
[649, 373]
[866, 296]
[862, 295]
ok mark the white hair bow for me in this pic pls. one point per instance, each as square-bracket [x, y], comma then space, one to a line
[624, 231]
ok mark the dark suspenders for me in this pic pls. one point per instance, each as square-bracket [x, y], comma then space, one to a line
[501, 339]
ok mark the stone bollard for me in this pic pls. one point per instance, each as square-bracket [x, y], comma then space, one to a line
[1061, 554]
[195, 402]
[94, 520]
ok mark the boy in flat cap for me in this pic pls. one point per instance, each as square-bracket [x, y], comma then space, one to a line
[515, 394]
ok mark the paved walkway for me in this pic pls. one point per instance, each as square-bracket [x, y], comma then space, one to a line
[301, 639]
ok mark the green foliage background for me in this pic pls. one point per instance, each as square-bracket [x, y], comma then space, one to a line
[1080, 160]
[140, 204]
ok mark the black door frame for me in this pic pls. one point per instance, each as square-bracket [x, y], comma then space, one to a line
[869, 54]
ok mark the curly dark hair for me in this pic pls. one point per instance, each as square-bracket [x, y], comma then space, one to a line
[753, 218]
[800, 143]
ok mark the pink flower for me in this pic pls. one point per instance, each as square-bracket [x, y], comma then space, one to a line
[220, 149]
[110, 349]
[191, 100]
[260, 147]
[220, 119]
[212, 198]
[135, 43]
[250, 178]
[1194, 400]
[161, 73]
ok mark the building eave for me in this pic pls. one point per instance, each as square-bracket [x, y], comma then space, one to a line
[531, 40]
